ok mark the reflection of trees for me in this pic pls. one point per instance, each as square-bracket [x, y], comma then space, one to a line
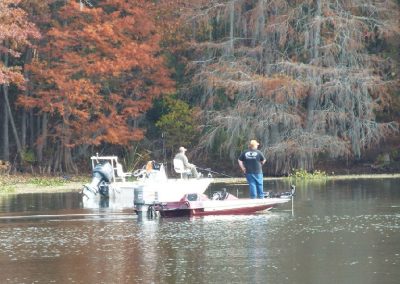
[39, 202]
[304, 77]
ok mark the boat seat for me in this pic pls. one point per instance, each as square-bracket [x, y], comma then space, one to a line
[121, 174]
[179, 168]
[220, 195]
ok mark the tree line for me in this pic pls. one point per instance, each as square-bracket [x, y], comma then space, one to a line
[311, 80]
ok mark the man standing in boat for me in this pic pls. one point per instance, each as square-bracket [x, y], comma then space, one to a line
[182, 156]
[251, 161]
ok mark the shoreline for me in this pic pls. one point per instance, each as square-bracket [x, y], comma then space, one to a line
[16, 187]
[336, 177]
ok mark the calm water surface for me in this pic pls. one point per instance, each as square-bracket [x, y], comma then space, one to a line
[336, 232]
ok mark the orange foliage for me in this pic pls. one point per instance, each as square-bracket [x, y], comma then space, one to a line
[282, 88]
[15, 31]
[101, 68]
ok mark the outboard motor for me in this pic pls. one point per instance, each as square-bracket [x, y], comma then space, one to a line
[101, 178]
[145, 193]
[144, 200]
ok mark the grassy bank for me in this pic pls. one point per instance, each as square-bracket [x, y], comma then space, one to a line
[10, 184]
[15, 184]
[241, 180]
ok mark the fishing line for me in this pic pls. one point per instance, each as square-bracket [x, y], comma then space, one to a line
[209, 170]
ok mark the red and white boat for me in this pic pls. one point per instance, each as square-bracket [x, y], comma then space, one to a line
[222, 203]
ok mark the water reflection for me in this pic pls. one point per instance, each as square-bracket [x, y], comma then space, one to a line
[341, 232]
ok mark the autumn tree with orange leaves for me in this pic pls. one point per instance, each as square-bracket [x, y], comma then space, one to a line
[98, 71]
[16, 34]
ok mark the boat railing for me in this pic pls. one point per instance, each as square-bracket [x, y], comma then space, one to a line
[153, 173]
[118, 173]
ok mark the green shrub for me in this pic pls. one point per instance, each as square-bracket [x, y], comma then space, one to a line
[303, 174]
[28, 156]
[6, 187]
[47, 181]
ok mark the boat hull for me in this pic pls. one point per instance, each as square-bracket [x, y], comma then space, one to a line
[122, 194]
[218, 207]
[174, 189]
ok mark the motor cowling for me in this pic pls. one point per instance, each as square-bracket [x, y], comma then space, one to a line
[101, 177]
[104, 170]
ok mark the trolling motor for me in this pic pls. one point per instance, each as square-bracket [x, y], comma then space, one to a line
[288, 194]
[101, 178]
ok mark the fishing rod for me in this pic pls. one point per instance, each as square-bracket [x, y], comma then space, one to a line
[209, 170]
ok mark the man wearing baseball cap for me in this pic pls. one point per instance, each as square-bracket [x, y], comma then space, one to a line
[250, 162]
[182, 156]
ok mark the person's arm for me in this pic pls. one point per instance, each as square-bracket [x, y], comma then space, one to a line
[262, 159]
[241, 165]
[186, 162]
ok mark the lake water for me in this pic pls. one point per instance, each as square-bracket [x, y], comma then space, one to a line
[335, 232]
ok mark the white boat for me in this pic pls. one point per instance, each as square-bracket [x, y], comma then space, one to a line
[112, 187]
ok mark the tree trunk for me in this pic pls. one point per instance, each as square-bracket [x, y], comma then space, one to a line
[317, 32]
[24, 116]
[232, 23]
[32, 133]
[23, 128]
[57, 158]
[13, 127]
[9, 112]
[6, 140]
[43, 139]
[314, 76]
[69, 164]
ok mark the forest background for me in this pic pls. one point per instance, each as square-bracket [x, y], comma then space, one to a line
[316, 82]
